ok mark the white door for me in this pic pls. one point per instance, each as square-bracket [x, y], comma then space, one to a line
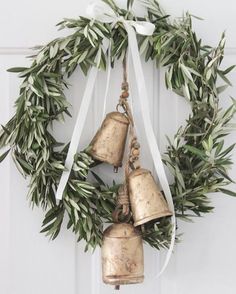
[204, 262]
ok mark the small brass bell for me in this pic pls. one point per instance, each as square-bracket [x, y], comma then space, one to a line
[147, 201]
[122, 255]
[108, 145]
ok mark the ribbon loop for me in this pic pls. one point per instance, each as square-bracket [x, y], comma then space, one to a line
[101, 11]
[143, 27]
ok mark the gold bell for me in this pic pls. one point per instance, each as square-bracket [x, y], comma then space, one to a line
[108, 145]
[147, 201]
[122, 255]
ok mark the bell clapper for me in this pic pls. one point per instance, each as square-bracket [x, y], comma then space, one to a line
[143, 228]
[117, 287]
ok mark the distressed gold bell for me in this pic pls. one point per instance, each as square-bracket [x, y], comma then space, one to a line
[108, 145]
[122, 255]
[146, 199]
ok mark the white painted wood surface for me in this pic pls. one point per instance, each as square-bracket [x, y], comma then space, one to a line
[205, 261]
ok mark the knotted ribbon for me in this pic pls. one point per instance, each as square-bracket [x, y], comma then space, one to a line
[100, 11]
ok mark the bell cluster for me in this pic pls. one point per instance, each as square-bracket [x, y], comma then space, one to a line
[139, 199]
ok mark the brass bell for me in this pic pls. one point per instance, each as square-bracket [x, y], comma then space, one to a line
[146, 199]
[108, 145]
[122, 255]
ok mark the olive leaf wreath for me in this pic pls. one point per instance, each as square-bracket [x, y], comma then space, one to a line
[196, 157]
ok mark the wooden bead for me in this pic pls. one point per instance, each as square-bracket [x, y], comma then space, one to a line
[125, 95]
[136, 145]
[125, 86]
[135, 152]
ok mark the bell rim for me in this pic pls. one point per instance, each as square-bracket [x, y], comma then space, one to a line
[123, 280]
[152, 217]
[103, 159]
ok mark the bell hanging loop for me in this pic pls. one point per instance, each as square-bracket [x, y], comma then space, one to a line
[122, 211]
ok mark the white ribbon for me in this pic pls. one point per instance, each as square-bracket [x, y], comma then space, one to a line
[77, 132]
[108, 82]
[100, 11]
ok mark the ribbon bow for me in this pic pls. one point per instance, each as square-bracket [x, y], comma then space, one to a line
[100, 11]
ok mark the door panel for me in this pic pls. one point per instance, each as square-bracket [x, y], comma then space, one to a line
[204, 262]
